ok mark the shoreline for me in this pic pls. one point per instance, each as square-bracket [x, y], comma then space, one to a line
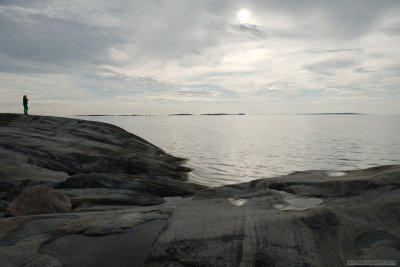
[119, 183]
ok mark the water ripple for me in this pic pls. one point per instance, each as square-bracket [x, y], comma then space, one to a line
[231, 149]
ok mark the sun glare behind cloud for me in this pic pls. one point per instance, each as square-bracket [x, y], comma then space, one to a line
[243, 16]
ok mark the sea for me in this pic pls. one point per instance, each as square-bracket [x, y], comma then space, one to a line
[227, 149]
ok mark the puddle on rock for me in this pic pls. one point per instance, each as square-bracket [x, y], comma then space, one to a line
[122, 249]
[33, 227]
[375, 239]
[336, 174]
[237, 202]
[299, 203]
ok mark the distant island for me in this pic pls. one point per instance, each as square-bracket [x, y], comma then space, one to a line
[333, 113]
[181, 114]
[174, 114]
[109, 115]
[221, 114]
[213, 114]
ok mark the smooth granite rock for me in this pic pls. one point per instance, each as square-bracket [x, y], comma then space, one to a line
[39, 199]
[109, 196]
[68, 153]
[74, 146]
[120, 187]
[304, 219]
[81, 238]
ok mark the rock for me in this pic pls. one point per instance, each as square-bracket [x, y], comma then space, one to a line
[241, 225]
[165, 187]
[110, 250]
[323, 220]
[49, 240]
[23, 253]
[110, 196]
[39, 199]
[97, 180]
[116, 181]
[67, 153]
[108, 173]
[155, 185]
[61, 147]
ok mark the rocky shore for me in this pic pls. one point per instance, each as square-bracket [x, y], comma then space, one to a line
[82, 193]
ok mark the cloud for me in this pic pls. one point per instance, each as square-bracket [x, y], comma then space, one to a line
[392, 31]
[362, 70]
[244, 32]
[48, 40]
[330, 67]
[113, 52]
[338, 50]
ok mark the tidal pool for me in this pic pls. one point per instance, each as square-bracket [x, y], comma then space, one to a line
[237, 202]
[123, 249]
[336, 174]
[299, 203]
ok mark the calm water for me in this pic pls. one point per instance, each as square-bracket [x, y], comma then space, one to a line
[231, 149]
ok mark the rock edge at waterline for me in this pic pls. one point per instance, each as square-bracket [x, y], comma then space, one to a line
[93, 163]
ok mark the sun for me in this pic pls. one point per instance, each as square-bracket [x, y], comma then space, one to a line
[243, 16]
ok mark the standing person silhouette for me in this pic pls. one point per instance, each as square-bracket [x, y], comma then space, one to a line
[25, 102]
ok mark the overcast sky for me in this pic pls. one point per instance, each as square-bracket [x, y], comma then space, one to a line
[176, 56]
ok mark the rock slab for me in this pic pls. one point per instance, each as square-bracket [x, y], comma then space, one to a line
[39, 199]
[120, 187]
[79, 156]
[276, 222]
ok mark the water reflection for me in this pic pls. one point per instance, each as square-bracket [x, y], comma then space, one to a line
[237, 202]
[299, 203]
[231, 149]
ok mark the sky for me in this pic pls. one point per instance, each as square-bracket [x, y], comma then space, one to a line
[189, 56]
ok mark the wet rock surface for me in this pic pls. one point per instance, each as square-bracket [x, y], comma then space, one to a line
[131, 206]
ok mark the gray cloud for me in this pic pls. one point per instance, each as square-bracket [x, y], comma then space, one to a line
[392, 31]
[197, 49]
[329, 67]
[335, 50]
[362, 70]
[250, 30]
[55, 41]
[334, 19]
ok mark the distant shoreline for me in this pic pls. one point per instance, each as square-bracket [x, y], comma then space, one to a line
[176, 114]
[213, 114]
[333, 113]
